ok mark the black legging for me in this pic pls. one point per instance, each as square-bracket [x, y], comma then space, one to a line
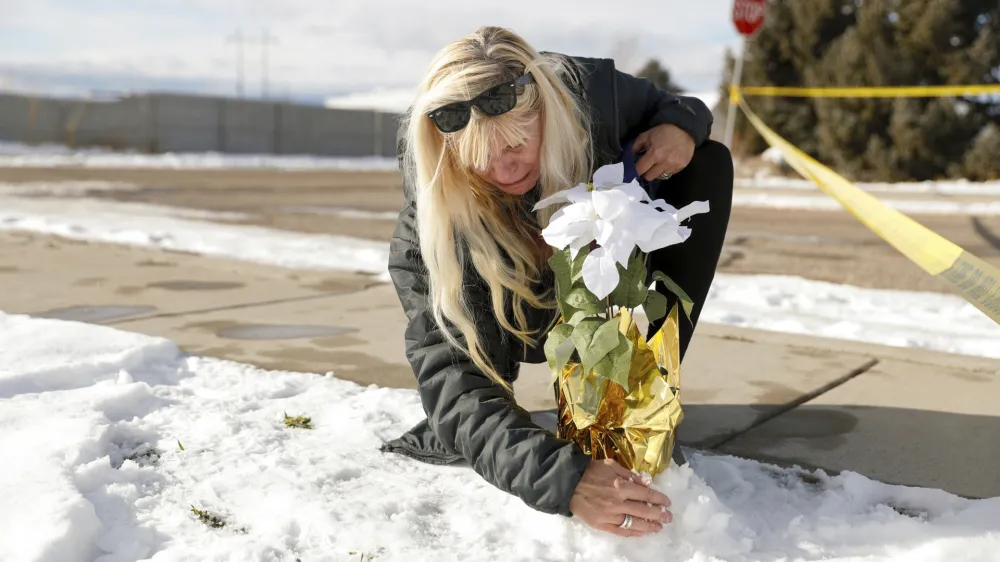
[691, 264]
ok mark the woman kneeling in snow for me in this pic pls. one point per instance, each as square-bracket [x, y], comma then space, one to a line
[497, 126]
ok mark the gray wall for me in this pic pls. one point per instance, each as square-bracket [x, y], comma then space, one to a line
[182, 123]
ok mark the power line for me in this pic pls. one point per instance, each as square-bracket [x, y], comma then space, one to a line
[266, 40]
[240, 40]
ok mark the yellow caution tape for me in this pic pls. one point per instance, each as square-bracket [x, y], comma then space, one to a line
[975, 280]
[874, 92]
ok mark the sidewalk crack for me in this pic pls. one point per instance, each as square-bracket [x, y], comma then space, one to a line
[788, 406]
[238, 306]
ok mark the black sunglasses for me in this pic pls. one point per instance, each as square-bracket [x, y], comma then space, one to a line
[495, 101]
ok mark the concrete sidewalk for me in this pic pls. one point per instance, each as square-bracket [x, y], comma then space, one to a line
[898, 415]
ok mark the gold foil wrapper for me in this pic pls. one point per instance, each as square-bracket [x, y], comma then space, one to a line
[636, 427]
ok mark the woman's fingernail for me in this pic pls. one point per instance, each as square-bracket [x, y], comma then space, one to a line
[667, 517]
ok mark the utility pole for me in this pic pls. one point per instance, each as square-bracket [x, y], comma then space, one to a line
[239, 40]
[734, 87]
[748, 16]
[266, 39]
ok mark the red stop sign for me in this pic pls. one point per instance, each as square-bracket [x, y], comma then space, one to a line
[748, 15]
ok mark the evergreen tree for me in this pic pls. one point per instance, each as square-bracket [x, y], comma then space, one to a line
[830, 43]
[895, 43]
[981, 161]
[659, 76]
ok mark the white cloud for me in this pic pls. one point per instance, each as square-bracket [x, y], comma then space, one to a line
[332, 47]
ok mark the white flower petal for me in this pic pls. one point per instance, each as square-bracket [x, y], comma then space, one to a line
[696, 208]
[641, 221]
[599, 273]
[609, 204]
[667, 235]
[578, 244]
[563, 233]
[603, 230]
[564, 218]
[578, 193]
[571, 195]
[634, 191]
[620, 244]
[575, 212]
[663, 205]
[610, 175]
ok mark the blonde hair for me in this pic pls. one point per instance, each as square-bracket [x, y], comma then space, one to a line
[457, 209]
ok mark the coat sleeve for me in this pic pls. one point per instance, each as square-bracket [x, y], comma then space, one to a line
[642, 106]
[469, 412]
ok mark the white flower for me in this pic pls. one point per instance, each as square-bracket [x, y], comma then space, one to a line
[619, 217]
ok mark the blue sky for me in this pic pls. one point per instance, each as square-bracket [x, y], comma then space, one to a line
[331, 47]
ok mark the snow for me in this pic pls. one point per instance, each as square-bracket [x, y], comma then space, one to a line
[774, 156]
[710, 98]
[171, 228]
[825, 203]
[950, 187]
[69, 494]
[343, 212]
[19, 155]
[940, 322]
[381, 99]
[398, 100]
[79, 188]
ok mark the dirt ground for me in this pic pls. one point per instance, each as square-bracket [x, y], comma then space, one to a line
[822, 245]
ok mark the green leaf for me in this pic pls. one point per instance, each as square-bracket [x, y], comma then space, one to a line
[580, 298]
[655, 306]
[622, 358]
[577, 276]
[559, 348]
[579, 316]
[616, 365]
[179, 444]
[562, 267]
[572, 297]
[631, 290]
[594, 338]
[686, 303]
[605, 367]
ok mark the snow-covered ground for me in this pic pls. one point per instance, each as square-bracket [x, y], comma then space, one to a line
[919, 198]
[940, 322]
[950, 187]
[343, 212]
[92, 421]
[392, 100]
[55, 155]
[781, 303]
[398, 100]
[825, 203]
[188, 230]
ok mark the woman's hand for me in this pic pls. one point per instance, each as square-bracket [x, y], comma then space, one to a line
[668, 151]
[607, 492]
